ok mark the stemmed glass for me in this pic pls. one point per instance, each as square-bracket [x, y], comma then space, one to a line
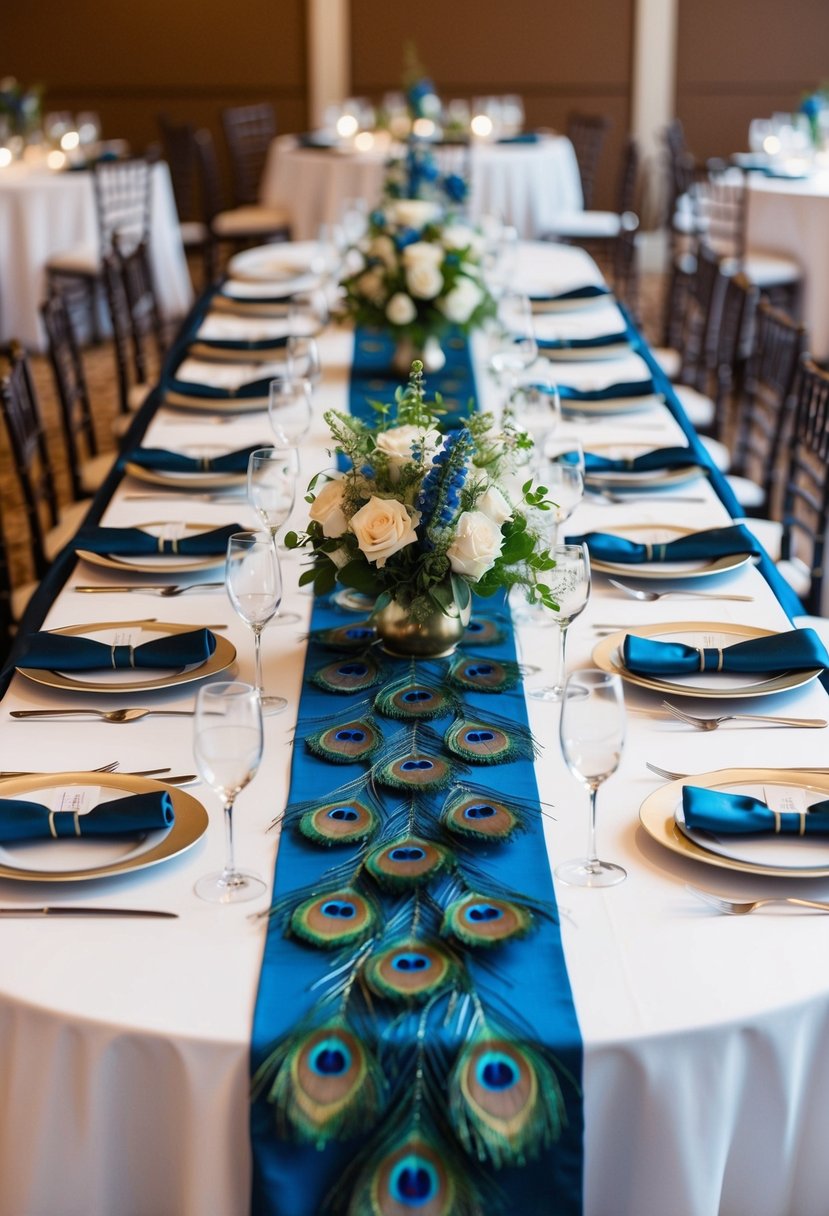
[514, 348]
[569, 584]
[592, 734]
[254, 586]
[536, 408]
[228, 749]
[272, 474]
[289, 410]
[304, 359]
[562, 471]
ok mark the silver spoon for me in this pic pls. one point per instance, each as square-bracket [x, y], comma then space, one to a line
[165, 589]
[651, 596]
[107, 715]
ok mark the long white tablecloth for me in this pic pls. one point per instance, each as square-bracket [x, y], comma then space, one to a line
[706, 1038]
[44, 213]
[527, 185]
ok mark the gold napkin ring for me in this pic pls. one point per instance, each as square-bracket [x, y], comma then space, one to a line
[701, 653]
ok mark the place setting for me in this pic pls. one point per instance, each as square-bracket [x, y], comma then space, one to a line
[226, 337]
[606, 387]
[157, 547]
[627, 466]
[670, 552]
[236, 387]
[599, 332]
[200, 467]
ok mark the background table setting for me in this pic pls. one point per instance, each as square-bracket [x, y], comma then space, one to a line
[684, 1019]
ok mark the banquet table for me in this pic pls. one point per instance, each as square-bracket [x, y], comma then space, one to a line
[44, 213]
[706, 1038]
[528, 185]
[791, 216]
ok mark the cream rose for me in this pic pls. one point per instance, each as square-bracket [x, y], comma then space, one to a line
[400, 309]
[476, 545]
[327, 508]
[382, 527]
[372, 286]
[422, 253]
[494, 505]
[424, 280]
[396, 444]
[413, 212]
[459, 304]
[382, 247]
[459, 236]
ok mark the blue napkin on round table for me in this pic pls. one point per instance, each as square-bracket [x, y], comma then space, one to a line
[797, 650]
[647, 462]
[62, 652]
[740, 814]
[715, 542]
[136, 542]
[176, 462]
[20, 820]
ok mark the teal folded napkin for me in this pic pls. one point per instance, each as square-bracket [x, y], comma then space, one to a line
[798, 650]
[740, 814]
[235, 344]
[525, 137]
[717, 542]
[193, 388]
[589, 291]
[62, 652]
[625, 388]
[583, 343]
[176, 462]
[20, 820]
[134, 542]
[658, 458]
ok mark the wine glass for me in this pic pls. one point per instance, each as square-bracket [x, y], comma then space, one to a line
[289, 410]
[569, 585]
[254, 586]
[308, 314]
[536, 407]
[304, 359]
[272, 474]
[228, 749]
[514, 348]
[592, 734]
[561, 470]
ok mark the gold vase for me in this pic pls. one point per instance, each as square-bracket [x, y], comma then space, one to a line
[433, 638]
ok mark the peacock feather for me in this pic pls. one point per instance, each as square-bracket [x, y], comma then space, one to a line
[346, 741]
[485, 920]
[415, 697]
[411, 1175]
[347, 815]
[408, 861]
[487, 739]
[483, 631]
[505, 1101]
[339, 917]
[357, 636]
[412, 760]
[474, 673]
[475, 813]
[411, 968]
[356, 673]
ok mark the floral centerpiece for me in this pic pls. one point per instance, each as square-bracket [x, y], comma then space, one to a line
[814, 105]
[19, 107]
[417, 270]
[421, 519]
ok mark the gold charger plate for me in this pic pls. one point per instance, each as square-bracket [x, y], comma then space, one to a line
[185, 481]
[656, 533]
[190, 824]
[612, 405]
[657, 816]
[163, 564]
[650, 480]
[219, 660]
[216, 405]
[606, 655]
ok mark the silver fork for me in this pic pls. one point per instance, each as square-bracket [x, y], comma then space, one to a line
[163, 589]
[712, 723]
[650, 596]
[606, 498]
[734, 908]
[669, 775]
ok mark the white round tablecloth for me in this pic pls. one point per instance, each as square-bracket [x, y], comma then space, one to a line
[706, 1038]
[44, 213]
[527, 185]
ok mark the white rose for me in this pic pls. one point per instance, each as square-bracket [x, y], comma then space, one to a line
[494, 505]
[382, 247]
[382, 527]
[476, 545]
[372, 286]
[413, 212]
[400, 309]
[396, 443]
[424, 281]
[422, 252]
[459, 304]
[460, 236]
[327, 508]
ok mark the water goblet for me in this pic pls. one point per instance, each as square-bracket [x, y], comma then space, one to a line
[289, 410]
[228, 750]
[569, 584]
[308, 313]
[561, 470]
[592, 734]
[254, 586]
[514, 348]
[536, 407]
[272, 474]
[304, 359]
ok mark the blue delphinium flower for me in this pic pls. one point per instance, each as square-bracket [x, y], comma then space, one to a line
[455, 187]
[407, 237]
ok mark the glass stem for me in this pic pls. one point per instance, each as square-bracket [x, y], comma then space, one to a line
[593, 863]
[229, 872]
[558, 673]
[257, 650]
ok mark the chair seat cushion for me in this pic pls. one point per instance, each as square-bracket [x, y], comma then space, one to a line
[794, 570]
[749, 495]
[669, 360]
[71, 518]
[244, 220]
[698, 407]
[771, 269]
[718, 453]
[81, 259]
[193, 232]
[587, 225]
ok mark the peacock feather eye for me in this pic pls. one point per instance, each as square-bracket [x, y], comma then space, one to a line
[346, 742]
[408, 861]
[485, 741]
[410, 970]
[412, 699]
[480, 817]
[411, 1177]
[339, 822]
[415, 770]
[348, 675]
[483, 631]
[479, 674]
[339, 918]
[356, 636]
[478, 920]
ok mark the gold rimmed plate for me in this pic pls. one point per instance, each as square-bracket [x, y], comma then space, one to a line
[657, 534]
[76, 860]
[714, 685]
[285, 261]
[652, 479]
[185, 481]
[158, 563]
[611, 405]
[116, 633]
[771, 856]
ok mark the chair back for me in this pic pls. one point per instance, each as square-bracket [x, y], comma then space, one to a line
[21, 415]
[178, 142]
[626, 195]
[122, 197]
[248, 133]
[207, 166]
[71, 386]
[806, 499]
[732, 346]
[700, 320]
[587, 133]
[719, 204]
[6, 612]
[146, 325]
[681, 165]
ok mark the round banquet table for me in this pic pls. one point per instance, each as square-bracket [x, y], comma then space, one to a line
[43, 213]
[706, 1038]
[527, 185]
[791, 216]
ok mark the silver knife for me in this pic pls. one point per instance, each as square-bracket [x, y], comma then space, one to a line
[70, 910]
